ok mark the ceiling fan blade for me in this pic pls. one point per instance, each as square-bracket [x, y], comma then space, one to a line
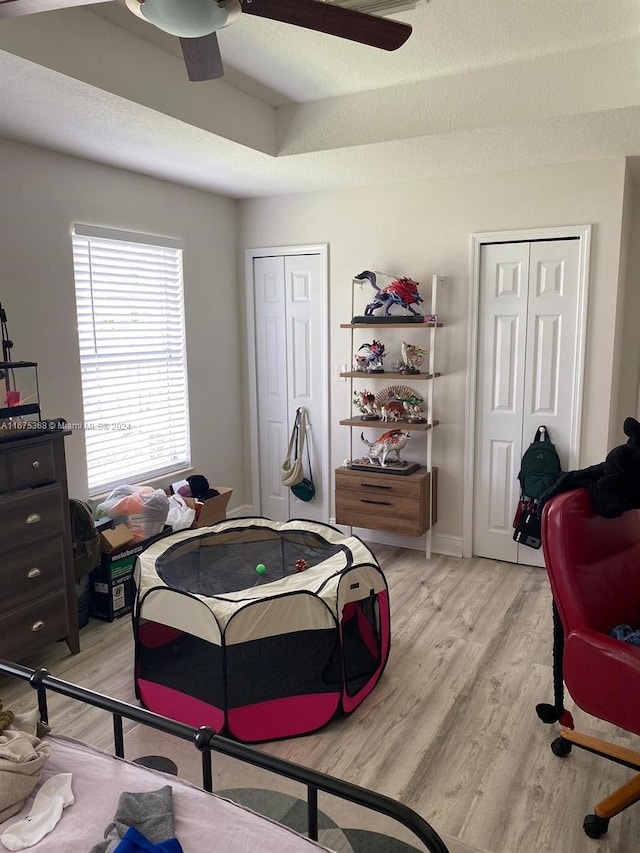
[202, 57]
[14, 8]
[334, 20]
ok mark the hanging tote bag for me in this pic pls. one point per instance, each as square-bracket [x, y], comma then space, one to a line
[305, 489]
[291, 471]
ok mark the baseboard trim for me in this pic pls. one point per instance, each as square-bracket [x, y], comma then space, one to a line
[244, 511]
[448, 546]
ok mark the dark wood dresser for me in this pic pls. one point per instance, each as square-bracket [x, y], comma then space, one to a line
[37, 584]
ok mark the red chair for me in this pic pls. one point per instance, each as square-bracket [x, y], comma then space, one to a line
[593, 565]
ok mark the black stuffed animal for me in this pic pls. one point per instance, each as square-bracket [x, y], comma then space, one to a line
[199, 486]
[613, 485]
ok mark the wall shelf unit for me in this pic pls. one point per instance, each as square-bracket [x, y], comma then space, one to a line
[359, 374]
[379, 499]
[358, 422]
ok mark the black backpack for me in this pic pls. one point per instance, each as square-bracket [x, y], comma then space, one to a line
[540, 468]
[84, 537]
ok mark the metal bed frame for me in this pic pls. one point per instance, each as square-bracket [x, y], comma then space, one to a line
[207, 742]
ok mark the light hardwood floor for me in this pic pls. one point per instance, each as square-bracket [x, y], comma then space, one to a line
[450, 730]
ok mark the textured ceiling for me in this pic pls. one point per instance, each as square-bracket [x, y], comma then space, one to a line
[480, 85]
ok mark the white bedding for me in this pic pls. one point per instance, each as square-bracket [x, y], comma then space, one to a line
[204, 823]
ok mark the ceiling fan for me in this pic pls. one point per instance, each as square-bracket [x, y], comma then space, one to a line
[196, 23]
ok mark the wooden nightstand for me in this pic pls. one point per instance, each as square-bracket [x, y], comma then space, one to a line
[379, 501]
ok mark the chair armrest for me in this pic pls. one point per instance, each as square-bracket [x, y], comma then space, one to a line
[602, 675]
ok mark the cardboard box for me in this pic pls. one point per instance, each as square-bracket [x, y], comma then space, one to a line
[211, 511]
[116, 536]
[111, 583]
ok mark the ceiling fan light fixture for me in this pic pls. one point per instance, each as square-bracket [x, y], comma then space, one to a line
[184, 18]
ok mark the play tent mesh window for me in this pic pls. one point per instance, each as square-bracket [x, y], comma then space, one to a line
[130, 309]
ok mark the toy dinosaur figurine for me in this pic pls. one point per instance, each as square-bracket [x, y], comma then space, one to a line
[401, 291]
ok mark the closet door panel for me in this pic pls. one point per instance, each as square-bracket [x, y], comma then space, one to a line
[550, 358]
[504, 283]
[273, 393]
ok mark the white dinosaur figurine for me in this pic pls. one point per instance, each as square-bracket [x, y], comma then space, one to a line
[392, 441]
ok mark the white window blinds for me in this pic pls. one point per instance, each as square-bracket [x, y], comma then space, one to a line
[129, 299]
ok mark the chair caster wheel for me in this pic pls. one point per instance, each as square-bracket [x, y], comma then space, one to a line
[561, 747]
[547, 713]
[595, 826]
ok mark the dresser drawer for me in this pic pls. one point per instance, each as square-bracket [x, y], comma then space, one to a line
[31, 464]
[379, 484]
[398, 515]
[25, 628]
[31, 573]
[30, 516]
[392, 505]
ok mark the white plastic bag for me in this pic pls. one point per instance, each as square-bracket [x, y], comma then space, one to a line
[143, 509]
[180, 515]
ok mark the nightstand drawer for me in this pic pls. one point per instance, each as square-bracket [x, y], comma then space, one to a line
[30, 516]
[381, 483]
[42, 621]
[393, 505]
[399, 515]
[31, 573]
[31, 465]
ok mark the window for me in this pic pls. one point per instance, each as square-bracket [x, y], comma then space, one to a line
[129, 299]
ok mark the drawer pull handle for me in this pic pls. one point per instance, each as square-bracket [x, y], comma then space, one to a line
[381, 503]
[374, 486]
[37, 626]
[35, 464]
[34, 573]
[34, 518]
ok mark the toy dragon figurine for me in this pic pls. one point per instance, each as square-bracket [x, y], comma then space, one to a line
[412, 357]
[365, 401]
[401, 291]
[373, 355]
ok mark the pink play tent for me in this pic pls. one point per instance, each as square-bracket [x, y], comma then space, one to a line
[259, 655]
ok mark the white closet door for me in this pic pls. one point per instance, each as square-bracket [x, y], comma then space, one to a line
[271, 373]
[291, 372]
[526, 346]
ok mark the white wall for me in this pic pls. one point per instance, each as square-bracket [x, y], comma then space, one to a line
[414, 229]
[626, 372]
[423, 228]
[43, 194]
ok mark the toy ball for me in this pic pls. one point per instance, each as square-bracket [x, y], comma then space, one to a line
[300, 565]
[261, 568]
